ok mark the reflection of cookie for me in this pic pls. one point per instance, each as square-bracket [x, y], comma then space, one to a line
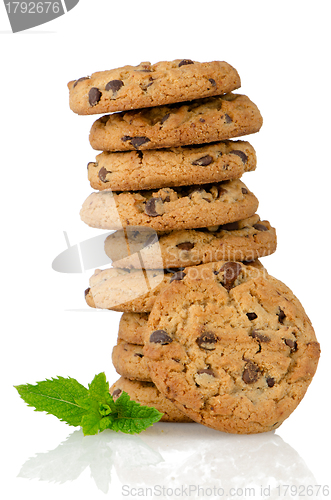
[147, 394]
[151, 169]
[132, 327]
[233, 351]
[145, 85]
[196, 122]
[170, 208]
[135, 290]
[129, 361]
[243, 240]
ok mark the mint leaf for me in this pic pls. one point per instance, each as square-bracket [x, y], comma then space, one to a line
[132, 417]
[56, 397]
[93, 408]
[99, 391]
[91, 423]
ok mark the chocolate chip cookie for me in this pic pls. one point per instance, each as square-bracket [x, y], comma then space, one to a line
[232, 350]
[196, 122]
[147, 394]
[151, 169]
[247, 239]
[145, 85]
[170, 208]
[129, 361]
[132, 327]
[135, 291]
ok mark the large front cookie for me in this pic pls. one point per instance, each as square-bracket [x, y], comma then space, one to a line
[145, 85]
[196, 122]
[151, 169]
[233, 351]
[147, 394]
[170, 208]
[248, 239]
[135, 291]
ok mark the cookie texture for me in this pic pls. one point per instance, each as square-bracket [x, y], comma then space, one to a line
[147, 394]
[129, 361]
[157, 168]
[170, 208]
[135, 291]
[132, 327]
[145, 85]
[234, 351]
[126, 290]
[196, 122]
[247, 239]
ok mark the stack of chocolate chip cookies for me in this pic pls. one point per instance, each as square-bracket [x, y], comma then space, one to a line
[206, 335]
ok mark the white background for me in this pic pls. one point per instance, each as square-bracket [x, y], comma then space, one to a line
[282, 52]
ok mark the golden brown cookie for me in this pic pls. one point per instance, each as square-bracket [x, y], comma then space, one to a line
[129, 361]
[170, 208]
[135, 291]
[147, 394]
[132, 327]
[145, 85]
[232, 350]
[157, 168]
[243, 240]
[196, 122]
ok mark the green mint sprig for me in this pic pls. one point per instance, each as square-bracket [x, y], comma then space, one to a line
[94, 409]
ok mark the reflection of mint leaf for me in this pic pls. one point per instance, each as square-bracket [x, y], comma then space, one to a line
[93, 408]
[56, 397]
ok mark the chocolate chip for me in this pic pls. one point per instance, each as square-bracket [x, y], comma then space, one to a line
[228, 118]
[160, 337]
[270, 381]
[178, 276]
[231, 226]
[154, 207]
[202, 120]
[165, 118]
[292, 344]
[239, 153]
[207, 371]
[231, 272]
[139, 141]
[207, 340]
[116, 393]
[114, 85]
[212, 81]
[87, 291]
[221, 191]
[203, 161]
[251, 316]
[94, 96]
[187, 245]
[257, 335]
[260, 227]
[251, 373]
[126, 138]
[281, 316]
[102, 174]
[244, 190]
[139, 355]
[80, 80]
[184, 62]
